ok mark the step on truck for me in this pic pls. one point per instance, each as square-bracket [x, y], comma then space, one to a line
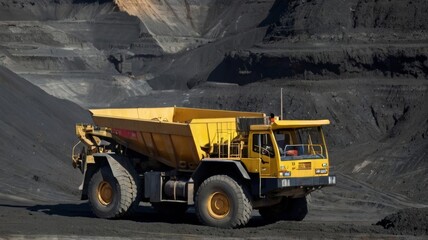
[223, 163]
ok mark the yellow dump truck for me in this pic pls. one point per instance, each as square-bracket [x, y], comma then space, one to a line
[224, 163]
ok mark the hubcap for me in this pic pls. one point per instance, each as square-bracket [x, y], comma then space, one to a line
[105, 193]
[218, 205]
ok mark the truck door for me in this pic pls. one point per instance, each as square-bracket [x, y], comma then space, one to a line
[263, 149]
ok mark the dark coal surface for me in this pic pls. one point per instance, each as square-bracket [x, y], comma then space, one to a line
[42, 10]
[74, 220]
[334, 61]
[407, 221]
[37, 133]
[334, 40]
[353, 20]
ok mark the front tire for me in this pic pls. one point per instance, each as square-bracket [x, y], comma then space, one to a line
[222, 202]
[110, 196]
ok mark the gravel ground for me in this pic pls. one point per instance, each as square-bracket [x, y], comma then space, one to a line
[74, 220]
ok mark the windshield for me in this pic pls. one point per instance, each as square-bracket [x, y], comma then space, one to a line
[300, 143]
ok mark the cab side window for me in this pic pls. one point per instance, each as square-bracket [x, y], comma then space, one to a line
[283, 138]
[262, 144]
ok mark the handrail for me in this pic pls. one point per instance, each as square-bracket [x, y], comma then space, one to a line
[75, 157]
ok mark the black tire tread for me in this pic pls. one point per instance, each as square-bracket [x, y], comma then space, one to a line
[242, 196]
[129, 182]
[129, 192]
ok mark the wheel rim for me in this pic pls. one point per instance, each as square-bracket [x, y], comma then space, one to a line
[218, 205]
[105, 193]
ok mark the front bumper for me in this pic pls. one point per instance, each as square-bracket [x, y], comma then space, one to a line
[304, 182]
[285, 184]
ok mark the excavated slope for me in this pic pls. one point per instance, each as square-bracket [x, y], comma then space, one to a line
[42, 10]
[180, 25]
[94, 54]
[365, 20]
[75, 50]
[335, 39]
[37, 133]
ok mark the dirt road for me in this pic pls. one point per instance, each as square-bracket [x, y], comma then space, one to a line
[74, 220]
[334, 213]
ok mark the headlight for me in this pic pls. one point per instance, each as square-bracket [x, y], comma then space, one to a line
[320, 171]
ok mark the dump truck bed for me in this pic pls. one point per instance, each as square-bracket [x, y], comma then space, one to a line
[177, 137]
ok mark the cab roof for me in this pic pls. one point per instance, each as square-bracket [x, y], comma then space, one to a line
[280, 124]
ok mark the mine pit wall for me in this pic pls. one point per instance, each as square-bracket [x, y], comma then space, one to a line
[192, 68]
[317, 19]
[183, 25]
[65, 47]
[43, 10]
[98, 22]
[335, 39]
[64, 41]
[37, 133]
[245, 67]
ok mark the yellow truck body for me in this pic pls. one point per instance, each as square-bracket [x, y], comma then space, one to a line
[177, 137]
[226, 163]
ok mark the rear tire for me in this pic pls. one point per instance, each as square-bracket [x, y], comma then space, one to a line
[110, 196]
[289, 209]
[222, 202]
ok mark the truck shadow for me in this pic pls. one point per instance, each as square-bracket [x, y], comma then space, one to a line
[148, 214]
[143, 214]
[64, 209]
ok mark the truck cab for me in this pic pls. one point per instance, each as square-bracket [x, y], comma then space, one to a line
[292, 153]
